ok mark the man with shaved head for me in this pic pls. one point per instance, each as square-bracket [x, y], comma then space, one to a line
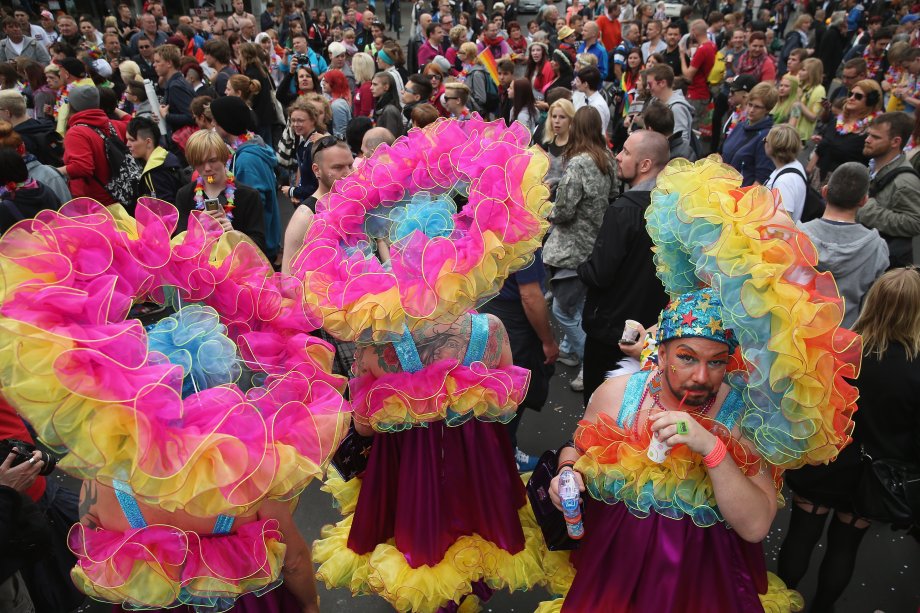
[373, 138]
[620, 274]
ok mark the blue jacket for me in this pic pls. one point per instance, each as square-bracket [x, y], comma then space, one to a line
[254, 166]
[744, 151]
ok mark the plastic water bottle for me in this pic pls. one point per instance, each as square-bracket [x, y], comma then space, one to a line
[571, 509]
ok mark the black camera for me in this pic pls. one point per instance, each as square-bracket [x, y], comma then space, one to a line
[302, 59]
[23, 451]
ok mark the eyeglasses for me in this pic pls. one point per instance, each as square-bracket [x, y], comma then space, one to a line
[857, 95]
[435, 77]
[324, 143]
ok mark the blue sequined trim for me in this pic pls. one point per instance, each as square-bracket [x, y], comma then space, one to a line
[631, 398]
[479, 336]
[125, 496]
[731, 410]
[223, 525]
[407, 353]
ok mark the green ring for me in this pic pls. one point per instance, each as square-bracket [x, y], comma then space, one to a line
[682, 427]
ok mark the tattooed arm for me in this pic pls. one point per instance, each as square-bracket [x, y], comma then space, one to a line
[498, 348]
[89, 496]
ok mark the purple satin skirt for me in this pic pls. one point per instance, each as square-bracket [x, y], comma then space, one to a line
[427, 487]
[662, 565]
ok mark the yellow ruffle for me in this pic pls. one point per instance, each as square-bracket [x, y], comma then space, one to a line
[425, 589]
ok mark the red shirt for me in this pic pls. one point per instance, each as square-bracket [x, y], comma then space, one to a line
[11, 426]
[611, 32]
[704, 59]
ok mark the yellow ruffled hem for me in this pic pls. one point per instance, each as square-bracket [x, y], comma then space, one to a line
[425, 589]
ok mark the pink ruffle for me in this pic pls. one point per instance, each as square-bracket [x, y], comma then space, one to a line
[148, 567]
[83, 376]
[428, 278]
[443, 390]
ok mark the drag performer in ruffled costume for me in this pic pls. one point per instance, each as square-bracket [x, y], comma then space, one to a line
[747, 381]
[190, 470]
[438, 520]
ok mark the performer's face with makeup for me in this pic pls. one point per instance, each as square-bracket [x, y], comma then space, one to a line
[693, 367]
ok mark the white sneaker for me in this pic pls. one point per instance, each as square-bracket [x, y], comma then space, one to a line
[578, 383]
[568, 359]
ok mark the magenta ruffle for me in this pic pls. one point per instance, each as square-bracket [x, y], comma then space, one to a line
[180, 566]
[428, 278]
[83, 376]
[443, 390]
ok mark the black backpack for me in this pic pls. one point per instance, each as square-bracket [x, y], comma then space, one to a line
[876, 186]
[814, 203]
[125, 172]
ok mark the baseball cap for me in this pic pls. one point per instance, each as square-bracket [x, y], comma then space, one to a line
[743, 83]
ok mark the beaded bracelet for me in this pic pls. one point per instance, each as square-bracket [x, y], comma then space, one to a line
[715, 457]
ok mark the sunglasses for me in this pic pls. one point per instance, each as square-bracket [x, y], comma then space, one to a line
[324, 143]
[450, 98]
[435, 76]
[857, 95]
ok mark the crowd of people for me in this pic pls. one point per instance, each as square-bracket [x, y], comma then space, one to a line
[233, 115]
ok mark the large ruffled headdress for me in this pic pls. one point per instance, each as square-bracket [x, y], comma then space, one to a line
[461, 205]
[742, 246]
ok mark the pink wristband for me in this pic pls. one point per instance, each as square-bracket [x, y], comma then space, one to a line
[715, 457]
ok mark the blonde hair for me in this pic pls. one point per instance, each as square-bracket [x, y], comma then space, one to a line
[362, 64]
[785, 143]
[814, 71]
[783, 108]
[868, 85]
[586, 59]
[317, 100]
[204, 144]
[248, 88]
[457, 34]
[129, 71]
[891, 313]
[469, 51]
[766, 93]
[460, 89]
[567, 107]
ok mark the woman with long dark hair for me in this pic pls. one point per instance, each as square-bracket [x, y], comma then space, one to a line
[523, 107]
[252, 66]
[587, 185]
[387, 111]
[539, 69]
[562, 70]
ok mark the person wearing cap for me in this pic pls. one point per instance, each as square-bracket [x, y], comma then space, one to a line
[85, 163]
[738, 91]
[16, 44]
[253, 163]
[73, 74]
[660, 79]
[567, 42]
[51, 35]
[744, 146]
[338, 60]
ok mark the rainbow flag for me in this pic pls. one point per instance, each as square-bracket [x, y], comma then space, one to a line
[488, 60]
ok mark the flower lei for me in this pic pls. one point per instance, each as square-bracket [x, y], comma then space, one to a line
[12, 187]
[857, 128]
[239, 142]
[63, 98]
[229, 192]
[873, 64]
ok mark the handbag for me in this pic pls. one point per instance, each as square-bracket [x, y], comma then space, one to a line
[550, 519]
[351, 457]
[889, 491]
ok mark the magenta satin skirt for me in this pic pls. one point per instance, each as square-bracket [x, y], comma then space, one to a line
[427, 487]
[660, 565]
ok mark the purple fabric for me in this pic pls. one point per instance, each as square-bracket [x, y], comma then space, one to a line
[480, 589]
[278, 600]
[427, 487]
[661, 565]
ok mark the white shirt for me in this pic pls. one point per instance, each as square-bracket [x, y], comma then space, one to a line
[597, 101]
[790, 188]
[647, 50]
